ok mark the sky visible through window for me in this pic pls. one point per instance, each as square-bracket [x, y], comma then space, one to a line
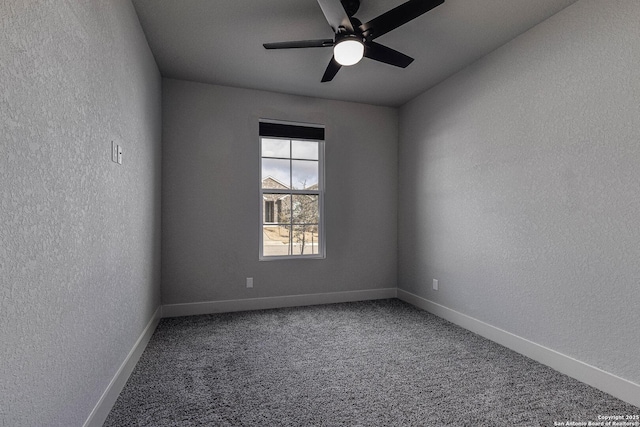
[293, 163]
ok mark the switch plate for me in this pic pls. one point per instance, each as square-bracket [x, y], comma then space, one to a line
[435, 284]
[119, 156]
[249, 282]
[114, 152]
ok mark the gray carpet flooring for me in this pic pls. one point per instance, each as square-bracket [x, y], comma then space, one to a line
[375, 363]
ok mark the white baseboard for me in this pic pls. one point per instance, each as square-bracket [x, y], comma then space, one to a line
[224, 306]
[110, 395]
[583, 372]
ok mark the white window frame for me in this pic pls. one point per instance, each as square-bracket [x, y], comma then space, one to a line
[320, 193]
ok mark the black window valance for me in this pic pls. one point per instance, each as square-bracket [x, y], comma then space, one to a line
[281, 130]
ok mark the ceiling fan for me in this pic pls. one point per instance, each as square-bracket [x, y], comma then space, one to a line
[353, 39]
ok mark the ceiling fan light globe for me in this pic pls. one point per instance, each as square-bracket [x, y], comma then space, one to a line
[348, 51]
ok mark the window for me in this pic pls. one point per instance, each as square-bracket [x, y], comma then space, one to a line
[291, 191]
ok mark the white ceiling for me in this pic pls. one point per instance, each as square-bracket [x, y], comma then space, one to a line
[220, 42]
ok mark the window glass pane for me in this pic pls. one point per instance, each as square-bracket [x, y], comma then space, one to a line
[276, 173]
[304, 150]
[275, 240]
[305, 209]
[276, 148]
[305, 239]
[304, 174]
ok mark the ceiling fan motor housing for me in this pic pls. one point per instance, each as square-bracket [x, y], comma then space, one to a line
[348, 36]
[350, 6]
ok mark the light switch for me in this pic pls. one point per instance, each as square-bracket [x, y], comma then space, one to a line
[119, 157]
[114, 152]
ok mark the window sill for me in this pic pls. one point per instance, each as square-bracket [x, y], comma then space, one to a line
[289, 257]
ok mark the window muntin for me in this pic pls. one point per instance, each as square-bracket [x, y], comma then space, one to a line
[291, 193]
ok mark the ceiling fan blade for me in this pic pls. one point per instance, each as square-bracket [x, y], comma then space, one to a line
[336, 15]
[396, 17]
[378, 52]
[299, 44]
[331, 71]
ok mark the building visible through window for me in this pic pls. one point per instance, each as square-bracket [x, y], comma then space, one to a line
[269, 211]
[291, 191]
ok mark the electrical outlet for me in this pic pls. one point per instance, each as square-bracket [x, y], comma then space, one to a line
[249, 282]
[435, 284]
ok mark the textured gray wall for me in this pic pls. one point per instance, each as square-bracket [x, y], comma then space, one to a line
[80, 251]
[210, 197]
[520, 187]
